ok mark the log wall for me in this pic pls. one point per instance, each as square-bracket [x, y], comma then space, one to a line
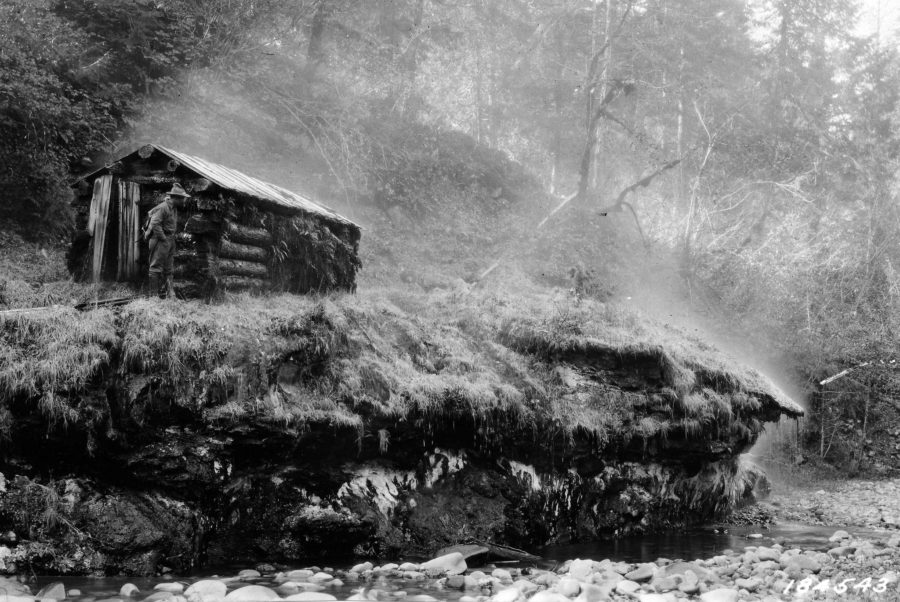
[233, 250]
[215, 249]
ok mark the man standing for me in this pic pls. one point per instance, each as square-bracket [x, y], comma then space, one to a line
[161, 233]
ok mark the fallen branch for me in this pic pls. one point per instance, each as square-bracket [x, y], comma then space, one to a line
[565, 202]
[645, 181]
[843, 373]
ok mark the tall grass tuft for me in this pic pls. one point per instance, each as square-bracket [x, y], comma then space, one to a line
[51, 356]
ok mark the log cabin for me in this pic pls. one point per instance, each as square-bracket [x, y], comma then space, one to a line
[235, 232]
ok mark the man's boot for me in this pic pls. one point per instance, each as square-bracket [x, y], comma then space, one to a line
[153, 285]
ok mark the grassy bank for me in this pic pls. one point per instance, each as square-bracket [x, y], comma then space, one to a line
[533, 359]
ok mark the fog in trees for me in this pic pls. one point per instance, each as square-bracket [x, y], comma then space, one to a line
[725, 165]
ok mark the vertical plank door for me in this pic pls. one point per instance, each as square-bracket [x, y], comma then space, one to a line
[97, 223]
[133, 198]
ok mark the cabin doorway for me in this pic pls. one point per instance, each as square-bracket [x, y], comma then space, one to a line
[114, 223]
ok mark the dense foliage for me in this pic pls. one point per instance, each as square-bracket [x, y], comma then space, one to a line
[72, 75]
[768, 130]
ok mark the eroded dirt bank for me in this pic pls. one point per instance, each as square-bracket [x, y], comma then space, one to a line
[168, 434]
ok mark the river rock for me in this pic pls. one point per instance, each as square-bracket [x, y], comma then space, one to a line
[766, 566]
[626, 587]
[605, 577]
[502, 575]
[455, 582]
[129, 589]
[546, 578]
[249, 574]
[421, 598]
[568, 587]
[548, 596]
[308, 596]
[666, 584]
[788, 554]
[53, 591]
[408, 566]
[751, 585]
[593, 593]
[839, 535]
[765, 553]
[74, 593]
[720, 595]
[12, 586]
[450, 564]
[159, 597]
[681, 568]
[299, 574]
[320, 577]
[414, 575]
[173, 587]
[727, 571]
[840, 551]
[690, 583]
[779, 585]
[655, 598]
[206, 590]
[801, 562]
[510, 594]
[581, 569]
[642, 573]
[252, 593]
[524, 585]
[288, 588]
[362, 567]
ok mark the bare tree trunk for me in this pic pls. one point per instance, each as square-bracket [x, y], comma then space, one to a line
[479, 77]
[823, 407]
[479, 100]
[314, 53]
[865, 424]
[409, 61]
[593, 92]
[558, 99]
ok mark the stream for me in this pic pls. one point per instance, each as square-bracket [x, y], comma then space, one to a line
[702, 542]
[692, 544]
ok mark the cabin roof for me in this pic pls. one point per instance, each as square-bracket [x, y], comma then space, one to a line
[232, 179]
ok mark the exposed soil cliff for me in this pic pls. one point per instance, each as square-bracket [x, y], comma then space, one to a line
[172, 434]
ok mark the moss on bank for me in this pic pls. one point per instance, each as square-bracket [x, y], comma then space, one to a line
[533, 362]
[531, 418]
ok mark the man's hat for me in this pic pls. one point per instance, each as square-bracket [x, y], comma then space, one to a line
[177, 190]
